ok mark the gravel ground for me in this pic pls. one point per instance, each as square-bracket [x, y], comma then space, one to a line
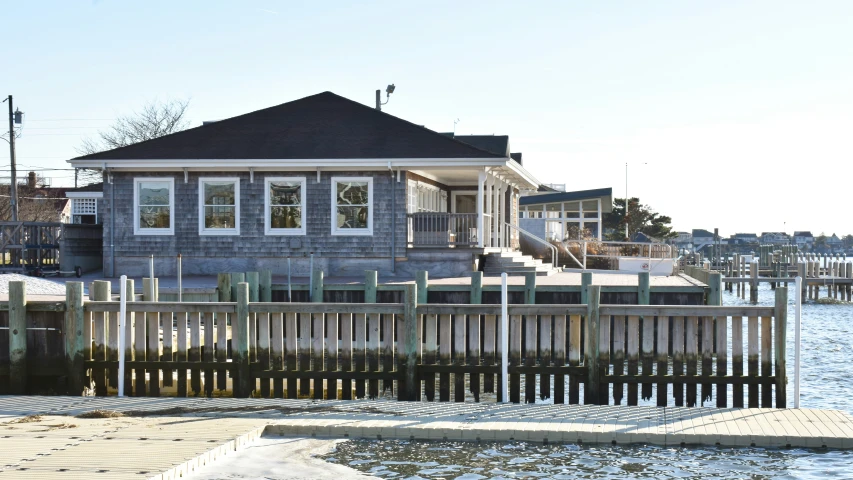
[35, 285]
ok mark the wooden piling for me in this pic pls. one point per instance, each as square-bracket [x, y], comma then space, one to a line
[474, 324]
[242, 383]
[101, 293]
[18, 337]
[74, 338]
[591, 353]
[412, 338]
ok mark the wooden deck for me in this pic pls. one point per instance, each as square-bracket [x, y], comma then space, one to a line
[168, 437]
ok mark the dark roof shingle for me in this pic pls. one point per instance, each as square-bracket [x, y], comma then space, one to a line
[322, 126]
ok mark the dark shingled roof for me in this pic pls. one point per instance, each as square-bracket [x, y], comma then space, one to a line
[566, 196]
[322, 126]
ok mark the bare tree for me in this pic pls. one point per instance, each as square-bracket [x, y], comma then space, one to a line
[156, 119]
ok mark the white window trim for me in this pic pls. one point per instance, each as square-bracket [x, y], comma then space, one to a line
[453, 194]
[268, 230]
[334, 193]
[218, 231]
[153, 231]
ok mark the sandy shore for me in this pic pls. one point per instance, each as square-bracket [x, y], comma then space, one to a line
[278, 458]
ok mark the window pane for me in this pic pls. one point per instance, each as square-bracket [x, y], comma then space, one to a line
[286, 217]
[572, 209]
[353, 193]
[219, 217]
[590, 206]
[219, 193]
[590, 229]
[154, 217]
[285, 193]
[590, 214]
[352, 217]
[153, 193]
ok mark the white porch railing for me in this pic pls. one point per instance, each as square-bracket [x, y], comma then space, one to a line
[658, 252]
[437, 229]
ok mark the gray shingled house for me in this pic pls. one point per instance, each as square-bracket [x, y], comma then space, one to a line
[358, 188]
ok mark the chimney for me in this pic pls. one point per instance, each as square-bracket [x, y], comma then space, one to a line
[31, 180]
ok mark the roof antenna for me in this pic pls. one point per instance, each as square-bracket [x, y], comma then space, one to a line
[454, 126]
[388, 91]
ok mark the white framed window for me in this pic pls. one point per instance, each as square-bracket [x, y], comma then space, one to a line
[219, 206]
[153, 206]
[352, 206]
[284, 206]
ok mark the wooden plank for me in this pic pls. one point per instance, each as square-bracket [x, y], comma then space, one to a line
[373, 352]
[346, 354]
[112, 347]
[318, 337]
[207, 352]
[530, 340]
[292, 335]
[444, 334]
[331, 354]
[707, 354]
[633, 334]
[752, 359]
[474, 353]
[221, 348]
[722, 360]
[277, 352]
[167, 322]
[545, 355]
[364, 308]
[139, 350]
[490, 330]
[604, 340]
[402, 357]
[358, 354]
[681, 310]
[574, 356]
[195, 352]
[153, 353]
[304, 353]
[413, 342]
[781, 321]
[691, 349]
[263, 351]
[662, 358]
[100, 290]
[737, 360]
[560, 341]
[618, 356]
[388, 349]
[430, 354]
[514, 357]
[766, 360]
[128, 340]
[156, 307]
[459, 357]
[182, 353]
[648, 350]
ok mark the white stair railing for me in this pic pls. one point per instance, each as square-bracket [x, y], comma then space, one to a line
[554, 251]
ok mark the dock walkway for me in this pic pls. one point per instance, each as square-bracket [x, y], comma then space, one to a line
[168, 437]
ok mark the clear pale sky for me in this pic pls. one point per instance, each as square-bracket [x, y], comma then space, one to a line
[730, 114]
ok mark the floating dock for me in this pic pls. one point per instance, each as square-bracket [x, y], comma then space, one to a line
[170, 437]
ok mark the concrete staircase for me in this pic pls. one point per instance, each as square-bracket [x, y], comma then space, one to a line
[514, 263]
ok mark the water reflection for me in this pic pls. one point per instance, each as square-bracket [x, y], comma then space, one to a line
[460, 460]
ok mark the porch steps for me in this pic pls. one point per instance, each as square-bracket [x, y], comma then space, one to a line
[514, 263]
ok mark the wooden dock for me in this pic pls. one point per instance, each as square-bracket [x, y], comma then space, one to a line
[165, 438]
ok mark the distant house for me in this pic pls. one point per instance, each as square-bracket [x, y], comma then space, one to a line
[86, 204]
[834, 243]
[775, 238]
[804, 239]
[37, 202]
[743, 239]
[321, 177]
[701, 238]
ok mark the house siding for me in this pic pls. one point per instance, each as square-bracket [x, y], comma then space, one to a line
[252, 249]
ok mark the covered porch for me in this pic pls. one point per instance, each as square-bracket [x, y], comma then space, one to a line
[466, 207]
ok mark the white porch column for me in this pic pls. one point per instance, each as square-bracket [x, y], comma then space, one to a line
[504, 216]
[481, 180]
[496, 219]
[487, 231]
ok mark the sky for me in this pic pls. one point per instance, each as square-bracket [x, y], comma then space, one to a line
[729, 114]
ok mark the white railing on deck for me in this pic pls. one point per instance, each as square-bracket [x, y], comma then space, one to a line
[437, 229]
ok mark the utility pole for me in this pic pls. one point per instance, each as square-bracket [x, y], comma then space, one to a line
[14, 185]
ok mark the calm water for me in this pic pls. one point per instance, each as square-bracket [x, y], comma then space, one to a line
[827, 347]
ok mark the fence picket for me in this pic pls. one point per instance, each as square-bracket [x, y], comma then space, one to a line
[530, 330]
[691, 349]
[766, 361]
[489, 348]
[545, 355]
[574, 357]
[633, 334]
[195, 352]
[618, 356]
[277, 352]
[332, 354]
[514, 357]
[678, 359]
[752, 359]
[560, 357]
[292, 336]
[207, 353]
[263, 352]
[429, 353]
[373, 352]
[182, 353]
[662, 358]
[474, 353]
[459, 356]
[707, 353]
[318, 334]
[444, 339]
[346, 354]
[737, 360]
